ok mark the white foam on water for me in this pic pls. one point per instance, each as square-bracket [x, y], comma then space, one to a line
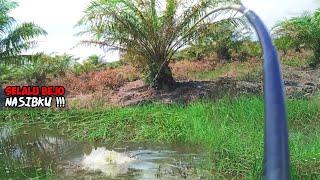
[111, 163]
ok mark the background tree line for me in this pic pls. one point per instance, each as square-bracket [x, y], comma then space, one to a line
[150, 34]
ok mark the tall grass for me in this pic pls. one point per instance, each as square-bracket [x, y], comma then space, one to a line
[230, 130]
[207, 71]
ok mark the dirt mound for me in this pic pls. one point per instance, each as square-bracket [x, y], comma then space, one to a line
[298, 84]
[136, 92]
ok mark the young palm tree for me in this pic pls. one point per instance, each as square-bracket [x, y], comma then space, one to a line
[150, 31]
[14, 38]
[305, 30]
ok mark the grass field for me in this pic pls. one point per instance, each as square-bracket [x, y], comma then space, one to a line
[230, 130]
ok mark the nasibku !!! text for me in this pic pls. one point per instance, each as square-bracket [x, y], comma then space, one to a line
[28, 102]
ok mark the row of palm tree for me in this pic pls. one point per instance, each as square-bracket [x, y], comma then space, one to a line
[151, 32]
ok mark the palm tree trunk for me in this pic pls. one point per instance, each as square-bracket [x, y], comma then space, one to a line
[164, 79]
[223, 53]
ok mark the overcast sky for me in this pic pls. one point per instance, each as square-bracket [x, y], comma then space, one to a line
[58, 18]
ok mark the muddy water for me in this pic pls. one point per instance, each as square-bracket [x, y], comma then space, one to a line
[34, 151]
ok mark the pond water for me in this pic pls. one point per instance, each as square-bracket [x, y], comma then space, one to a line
[33, 151]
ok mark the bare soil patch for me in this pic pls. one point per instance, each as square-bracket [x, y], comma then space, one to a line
[299, 83]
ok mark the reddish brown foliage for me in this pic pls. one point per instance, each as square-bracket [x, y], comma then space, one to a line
[181, 69]
[97, 81]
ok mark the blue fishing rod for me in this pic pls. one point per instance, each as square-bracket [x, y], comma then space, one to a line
[276, 151]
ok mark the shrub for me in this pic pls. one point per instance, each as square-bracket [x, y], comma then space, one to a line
[97, 81]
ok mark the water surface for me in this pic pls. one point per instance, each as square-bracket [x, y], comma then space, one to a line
[34, 151]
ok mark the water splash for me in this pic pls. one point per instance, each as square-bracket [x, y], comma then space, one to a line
[111, 163]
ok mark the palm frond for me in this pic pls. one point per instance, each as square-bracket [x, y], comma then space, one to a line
[151, 29]
[19, 39]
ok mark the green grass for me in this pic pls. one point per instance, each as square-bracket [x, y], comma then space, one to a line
[241, 71]
[211, 75]
[230, 130]
[295, 62]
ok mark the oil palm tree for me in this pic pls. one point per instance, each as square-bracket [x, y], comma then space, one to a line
[151, 31]
[304, 29]
[15, 38]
